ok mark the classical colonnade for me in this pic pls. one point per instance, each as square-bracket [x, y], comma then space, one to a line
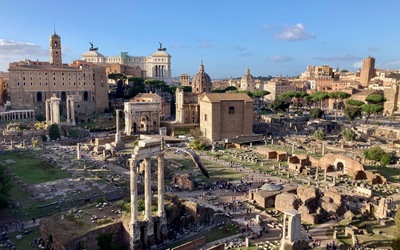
[17, 115]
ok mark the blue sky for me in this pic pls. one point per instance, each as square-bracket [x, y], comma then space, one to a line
[271, 37]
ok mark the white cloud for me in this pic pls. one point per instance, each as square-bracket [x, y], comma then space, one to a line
[14, 51]
[279, 58]
[21, 48]
[358, 65]
[204, 45]
[294, 33]
[346, 58]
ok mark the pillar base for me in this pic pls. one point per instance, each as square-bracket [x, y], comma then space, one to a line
[135, 242]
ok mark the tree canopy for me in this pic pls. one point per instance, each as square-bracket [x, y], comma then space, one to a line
[316, 113]
[348, 134]
[369, 109]
[376, 153]
[354, 102]
[352, 112]
[375, 99]
[319, 134]
[54, 132]
[280, 104]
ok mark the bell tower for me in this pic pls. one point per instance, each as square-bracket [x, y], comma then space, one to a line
[55, 50]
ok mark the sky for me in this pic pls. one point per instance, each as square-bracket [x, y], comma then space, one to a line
[270, 37]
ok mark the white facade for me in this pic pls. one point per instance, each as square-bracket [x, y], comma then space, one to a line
[156, 66]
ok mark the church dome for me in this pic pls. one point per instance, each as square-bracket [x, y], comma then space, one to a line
[201, 81]
[247, 81]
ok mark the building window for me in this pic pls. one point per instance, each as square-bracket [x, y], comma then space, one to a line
[231, 110]
[205, 117]
[85, 96]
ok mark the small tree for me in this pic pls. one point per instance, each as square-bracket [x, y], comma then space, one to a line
[54, 132]
[348, 134]
[319, 134]
[316, 113]
[352, 112]
[376, 153]
[198, 145]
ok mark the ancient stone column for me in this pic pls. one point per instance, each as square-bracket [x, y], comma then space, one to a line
[293, 148]
[316, 173]
[147, 189]
[323, 149]
[47, 111]
[117, 135]
[133, 187]
[134, 224]
[78, 151]
[325, 173]
[68, 111]
[160, 195]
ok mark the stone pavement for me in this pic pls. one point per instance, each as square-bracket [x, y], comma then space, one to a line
[319, 232]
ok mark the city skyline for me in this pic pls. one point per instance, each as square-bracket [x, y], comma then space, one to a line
[270, 38]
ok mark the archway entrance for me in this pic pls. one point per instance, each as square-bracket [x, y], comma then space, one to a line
[340, 166]
[144, 124]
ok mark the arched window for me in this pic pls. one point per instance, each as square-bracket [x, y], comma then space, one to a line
[39, 97]
[63, 96]
[85, 96]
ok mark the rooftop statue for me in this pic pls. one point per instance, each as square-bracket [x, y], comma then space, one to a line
[92, 48]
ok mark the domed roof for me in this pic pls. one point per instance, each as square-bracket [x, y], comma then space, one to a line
[247, 77]
[201, 81]
[161, 53]
[271, 187]
[247, 81]
[92, 53]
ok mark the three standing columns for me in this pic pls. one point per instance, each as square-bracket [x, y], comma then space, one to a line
[148, 218]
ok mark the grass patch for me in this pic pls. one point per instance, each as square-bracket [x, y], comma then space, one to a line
[24, 242]
[391, 174]
[30, 169]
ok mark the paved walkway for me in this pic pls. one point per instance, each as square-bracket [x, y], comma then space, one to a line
[319, 233]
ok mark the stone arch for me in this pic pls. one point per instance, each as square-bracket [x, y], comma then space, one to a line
[302, 170]
[339, 166]
[142, 117]
[377, 180]
[360, 175]
[144, 124]
[330, 168]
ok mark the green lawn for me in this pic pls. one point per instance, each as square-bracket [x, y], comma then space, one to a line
[27, 238]
[31, 169]
[391, 174]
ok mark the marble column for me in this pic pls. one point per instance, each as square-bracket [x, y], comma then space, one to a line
[133, 187]
[48, 119]
[78, 151]
[147, 189]
[160, 194]
[117, 135]
[135, 241]
[68, 111]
